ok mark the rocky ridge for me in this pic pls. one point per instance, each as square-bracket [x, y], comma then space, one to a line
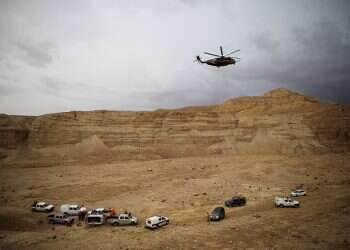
[279, 122]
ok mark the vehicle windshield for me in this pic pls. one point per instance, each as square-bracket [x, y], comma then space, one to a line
[217, 211]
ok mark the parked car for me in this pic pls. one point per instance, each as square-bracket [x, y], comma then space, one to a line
[156, 221]
[42, 207]
[123, 219]
[298, 192]
[60, 219]
[217, 214]
[236, 201]
[70, 209]
[286, 202]
[95, 219]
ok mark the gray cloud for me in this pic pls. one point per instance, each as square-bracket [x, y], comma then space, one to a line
[265, 41]
[134, 55]
[315, 60]
[6, 88]
[38, 55]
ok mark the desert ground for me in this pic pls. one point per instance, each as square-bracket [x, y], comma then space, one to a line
[185, 190]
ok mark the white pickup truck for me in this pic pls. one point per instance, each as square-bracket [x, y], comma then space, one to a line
[70, 209]
[42, 207]
[123, 219]
[286, 202]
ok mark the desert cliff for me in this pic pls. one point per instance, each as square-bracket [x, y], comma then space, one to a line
[279, 122]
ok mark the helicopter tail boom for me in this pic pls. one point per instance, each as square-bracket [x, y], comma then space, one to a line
[199, 59]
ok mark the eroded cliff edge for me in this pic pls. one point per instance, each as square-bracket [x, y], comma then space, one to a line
[279, 122]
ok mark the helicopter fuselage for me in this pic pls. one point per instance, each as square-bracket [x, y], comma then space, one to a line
[220, 62]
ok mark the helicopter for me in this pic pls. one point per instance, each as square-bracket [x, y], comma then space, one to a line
[222, 60]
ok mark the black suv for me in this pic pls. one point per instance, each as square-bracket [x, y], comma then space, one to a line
[236, 201]
[217, 214]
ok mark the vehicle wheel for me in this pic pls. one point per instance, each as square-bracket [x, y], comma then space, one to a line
[115, 224]
[280, 205]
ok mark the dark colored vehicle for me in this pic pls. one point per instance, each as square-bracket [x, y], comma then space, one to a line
[63, 219]
[217, 214]
[236, 201]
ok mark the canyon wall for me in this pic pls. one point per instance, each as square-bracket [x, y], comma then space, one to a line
[280, 122]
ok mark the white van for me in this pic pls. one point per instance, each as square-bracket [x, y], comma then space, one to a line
[95, 219]
[70, 209]
[156, 221]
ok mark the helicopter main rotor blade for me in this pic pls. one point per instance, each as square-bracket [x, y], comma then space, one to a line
[222, 54]
[207, 53]
[235, 51]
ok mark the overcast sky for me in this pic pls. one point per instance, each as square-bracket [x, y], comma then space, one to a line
[138, 55]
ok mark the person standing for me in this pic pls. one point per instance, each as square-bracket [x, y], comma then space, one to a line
[82, 212]
[113, 212]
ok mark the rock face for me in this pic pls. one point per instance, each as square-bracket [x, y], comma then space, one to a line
[280, 122]
[14, 132]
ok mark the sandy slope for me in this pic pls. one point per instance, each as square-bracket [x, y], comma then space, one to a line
[185, 190]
